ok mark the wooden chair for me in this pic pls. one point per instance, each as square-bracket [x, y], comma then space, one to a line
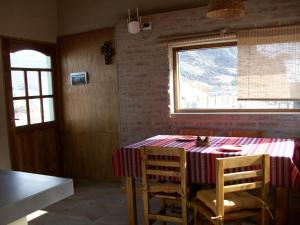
[246, 133]
[196, 132]
[170, 163]
[230, 200]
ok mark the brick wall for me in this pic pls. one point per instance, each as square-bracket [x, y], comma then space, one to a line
[143, 73]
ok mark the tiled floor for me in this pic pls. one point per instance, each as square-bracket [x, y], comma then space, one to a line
[103, 204]
[92, 204]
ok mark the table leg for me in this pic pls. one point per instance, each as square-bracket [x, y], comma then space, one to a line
[131, 199]
[282, 206]
[22, 221]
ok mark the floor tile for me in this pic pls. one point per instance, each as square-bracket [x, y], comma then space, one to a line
[104, 204]
[59, 219]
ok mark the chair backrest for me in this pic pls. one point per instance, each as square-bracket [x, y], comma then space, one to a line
[255, 168]
[246, 133]
[168, 162]
[196, 132]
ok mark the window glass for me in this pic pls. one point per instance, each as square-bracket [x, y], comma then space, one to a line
[48, 107]
[32, 87]
[35, 111]
[46, 83]
[33, 83]
[30, 59]
[18, 83]
[208, 78]
[20, 112]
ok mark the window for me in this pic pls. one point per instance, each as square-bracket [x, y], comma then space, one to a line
[258, 70]
[32, 88]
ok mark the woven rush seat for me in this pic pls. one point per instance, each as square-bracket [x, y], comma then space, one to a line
[233, 201]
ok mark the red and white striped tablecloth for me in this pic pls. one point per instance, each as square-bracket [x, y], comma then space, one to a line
[284, 155]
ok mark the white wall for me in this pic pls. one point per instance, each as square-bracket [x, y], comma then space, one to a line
[30, 19]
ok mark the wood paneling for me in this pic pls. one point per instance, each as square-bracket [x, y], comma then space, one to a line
[90, 112]
[38, 151]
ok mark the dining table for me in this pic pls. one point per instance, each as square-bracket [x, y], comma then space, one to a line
[284, 164]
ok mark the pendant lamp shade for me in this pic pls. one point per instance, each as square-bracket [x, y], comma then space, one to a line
[225, 9]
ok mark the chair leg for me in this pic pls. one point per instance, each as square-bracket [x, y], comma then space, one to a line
[264, 217]
[146, 207]
[196, 216]
[221, 222]
[197, 219]
[163, 209]
[239, 222]
[184, 213]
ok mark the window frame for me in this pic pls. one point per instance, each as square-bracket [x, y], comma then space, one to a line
[176, 87]
[40, 96]
[12, 45]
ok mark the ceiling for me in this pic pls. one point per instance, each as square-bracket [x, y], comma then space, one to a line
[158, 6]
[77, 15]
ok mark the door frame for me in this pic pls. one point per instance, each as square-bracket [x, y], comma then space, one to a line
[47, 48]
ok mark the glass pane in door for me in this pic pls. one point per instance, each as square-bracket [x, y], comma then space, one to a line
[35, 111]
[46, 83]
[32, 87]
[30, 59]
[48, 107]
[20, 113]
[33, 83]
[18, 83]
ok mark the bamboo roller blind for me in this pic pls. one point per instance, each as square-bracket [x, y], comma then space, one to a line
[269, 64]
[200, 40]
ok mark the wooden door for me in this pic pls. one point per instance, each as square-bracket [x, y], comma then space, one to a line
[90, 112]
[32, 105]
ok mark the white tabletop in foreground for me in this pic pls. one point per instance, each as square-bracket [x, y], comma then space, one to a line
[24, 193]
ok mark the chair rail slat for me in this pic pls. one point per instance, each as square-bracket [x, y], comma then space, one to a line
[196, 132]
[241, 161]
[162, 163]
[163, 151]
[246, 133]
[243, 187]
[163, 173]
[242, 175]
[171, 219]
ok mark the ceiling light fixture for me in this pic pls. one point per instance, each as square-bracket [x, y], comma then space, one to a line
[134, 23]
[225, 9]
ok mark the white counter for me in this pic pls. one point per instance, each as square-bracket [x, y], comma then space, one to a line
[24, 193]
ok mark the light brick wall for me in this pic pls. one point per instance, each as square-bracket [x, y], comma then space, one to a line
[143, 73]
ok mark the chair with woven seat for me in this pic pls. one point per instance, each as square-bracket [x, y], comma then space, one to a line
[196, 132]
[230, 200]
[246, 133]
[169, 163]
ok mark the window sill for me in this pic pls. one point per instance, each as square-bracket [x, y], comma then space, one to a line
[233, 113]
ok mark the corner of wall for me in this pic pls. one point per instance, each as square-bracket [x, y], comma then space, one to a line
[4, 149]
